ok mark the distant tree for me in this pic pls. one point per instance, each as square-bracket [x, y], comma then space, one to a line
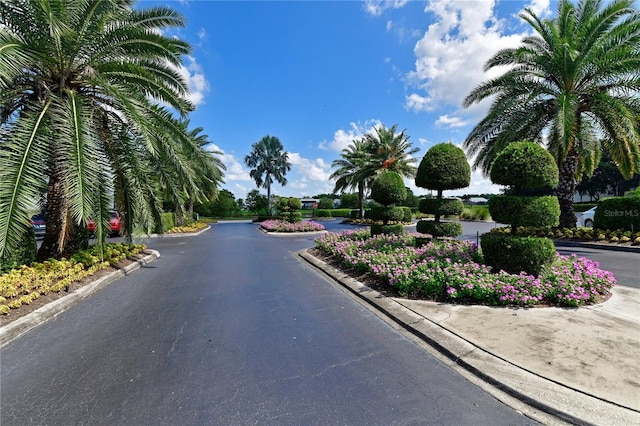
[349, 201]
[411, 200]
[325, 203]
[269, 162]
[255, 202]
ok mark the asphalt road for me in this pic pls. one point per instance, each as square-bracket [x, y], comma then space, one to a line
[229, 328]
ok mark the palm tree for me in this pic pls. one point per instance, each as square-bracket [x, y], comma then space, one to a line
[269, 162]
[79, 87]
[575, 81]
[352, 171]
[391, 151]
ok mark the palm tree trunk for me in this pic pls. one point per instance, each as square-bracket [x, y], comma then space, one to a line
[56, 216]
[566, 188]
[361, 200]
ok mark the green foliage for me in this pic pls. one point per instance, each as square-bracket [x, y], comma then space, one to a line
[323, 213]
[395, 229]
[256, 202]
[408, 214]
[288, 209]
[525, 165]
[441, 206]
[388, 214]
[388, 188]
[583, 207]
[443, 167]
[618, 213]
[341, 212]
[476, 213]
[268, 161]
[23, 254]
[325, 203]
[224, 206]
[525, 211]
[168, 222]
[515, 254]
[348, 201]
[439, 229]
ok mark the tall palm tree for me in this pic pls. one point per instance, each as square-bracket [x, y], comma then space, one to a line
[392, 151]
[576, 80]
[352, 169]
[79, 85]
[269, 162]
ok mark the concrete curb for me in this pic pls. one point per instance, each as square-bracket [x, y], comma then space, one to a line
[565, 404]
[21, 326]
[177, 234]
[611, 246]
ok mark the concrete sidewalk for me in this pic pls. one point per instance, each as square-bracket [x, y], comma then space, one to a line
[580, 365]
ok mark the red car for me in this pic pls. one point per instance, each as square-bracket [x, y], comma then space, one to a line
[114, 224]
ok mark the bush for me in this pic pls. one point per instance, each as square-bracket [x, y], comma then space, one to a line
[323, 213]
[517, 254]
[288, 209]
[525, 211]
[443, 167]
[408, 214]
[23, 254]
[341, 213]
[388, 188]
[168, 222]
[387, 214]
[355, 214]
[476, 213]
[439, 229]
[396, 229]
[441, 206]
[618, 213]
[525, 165]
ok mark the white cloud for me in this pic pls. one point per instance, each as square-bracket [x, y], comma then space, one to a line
[193, 75]
[311, 170]
[235, 169]
[376, 7]
[451, 122]
[451, 55]
[342, 138]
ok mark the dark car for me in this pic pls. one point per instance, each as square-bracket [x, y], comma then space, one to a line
[39, 225]
[115, 226]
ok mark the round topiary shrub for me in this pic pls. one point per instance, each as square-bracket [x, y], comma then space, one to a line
[517, 254]
[408, 214]
[439, 229]
[396, 229]
[525, 165]
[441, 206]
[388, 188]
[387, 214]
[443, 167]
[525, 211]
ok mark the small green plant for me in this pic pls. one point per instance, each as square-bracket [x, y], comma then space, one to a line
[388, 189]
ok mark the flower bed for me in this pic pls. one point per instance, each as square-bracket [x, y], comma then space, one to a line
[452, 271]
[276, 225]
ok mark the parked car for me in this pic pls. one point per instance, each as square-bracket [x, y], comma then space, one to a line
[115, 225]
[586, 218]
[39, 224]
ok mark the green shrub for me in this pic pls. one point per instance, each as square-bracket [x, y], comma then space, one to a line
[323, 213]
[524, 165]
[618, 213]
[517, 254]
[476, 213]
[387, 214]
[341, 213]
[288, 209]
[439, 229]
[443, 167]
[441, 206]
[583, 207]
[168, 222]
[396, 229]
[525, 211]
[408, 214]
[388, 188]
[23, 254]
[355, 214]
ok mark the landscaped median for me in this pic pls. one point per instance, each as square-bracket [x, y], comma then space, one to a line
[277, 225]
[453, 271]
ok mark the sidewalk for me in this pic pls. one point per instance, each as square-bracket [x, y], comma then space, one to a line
[580, 365]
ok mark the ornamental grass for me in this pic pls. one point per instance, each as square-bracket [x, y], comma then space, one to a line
[453, 271]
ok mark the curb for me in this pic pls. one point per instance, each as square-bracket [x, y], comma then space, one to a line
[177, 234]
[21, 326]
[611, 247]
[551, 397]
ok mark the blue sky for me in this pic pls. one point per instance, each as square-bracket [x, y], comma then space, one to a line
[319, 74]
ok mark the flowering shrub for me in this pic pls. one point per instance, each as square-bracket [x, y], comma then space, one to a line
[276, 225]
[453, 271]
[22, 286]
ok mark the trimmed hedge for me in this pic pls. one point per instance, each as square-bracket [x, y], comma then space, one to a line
[396, 229]
[441, 206]
[388, 188]
[525, 211]
[517, 254]
[387, 214]
[168, 222]
[341, 213]
[525, 165]
[443, 167]
[618, 213]
[408, 214]
[439, 229]
[23, 254]
[323, 213]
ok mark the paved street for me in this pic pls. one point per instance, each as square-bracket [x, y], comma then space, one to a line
[230, 328]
